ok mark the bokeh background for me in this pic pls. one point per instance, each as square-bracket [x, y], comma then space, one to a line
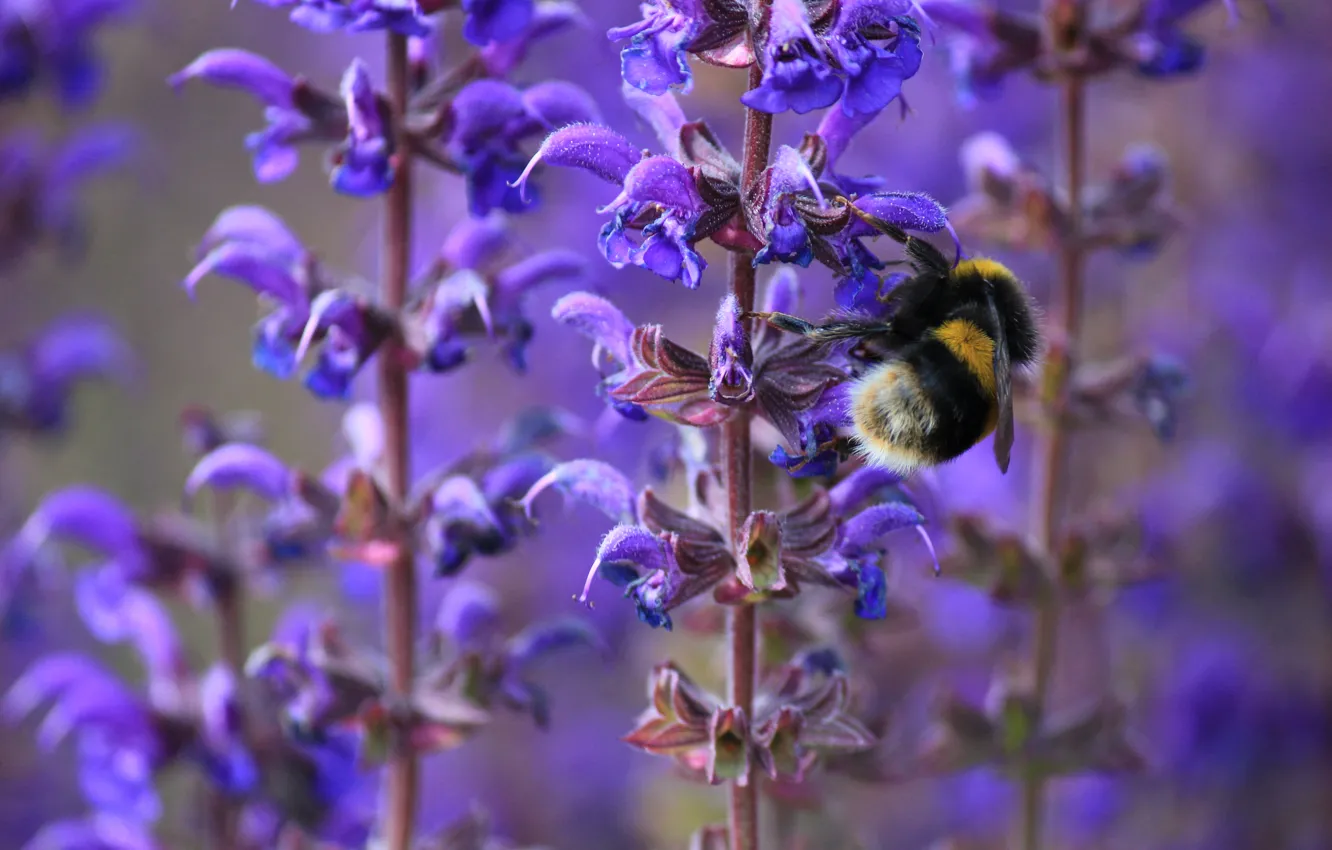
[1227, 664]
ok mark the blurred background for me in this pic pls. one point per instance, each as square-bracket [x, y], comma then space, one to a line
[1227, 663]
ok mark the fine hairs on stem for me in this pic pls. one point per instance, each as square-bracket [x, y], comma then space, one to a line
[1051, 458]
[742, 633]
[400, 597]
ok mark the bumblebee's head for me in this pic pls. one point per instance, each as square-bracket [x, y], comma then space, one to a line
[985, 279]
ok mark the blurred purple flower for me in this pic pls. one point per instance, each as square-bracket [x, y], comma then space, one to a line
[297, 113]
[101, 831]
[364, 165]
[36, 381]
[54, 38]
[548, 17]
[405, 17]
[40, 187]
[491, 119]
[490, 21]
[482, 288]
[254, 247]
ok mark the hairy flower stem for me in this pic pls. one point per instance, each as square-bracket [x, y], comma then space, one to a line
[742, 631]
[400, 578]
[1052, 449]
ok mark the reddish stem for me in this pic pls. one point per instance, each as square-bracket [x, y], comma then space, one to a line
[1051, 457]
[742, 631]
[400, 578]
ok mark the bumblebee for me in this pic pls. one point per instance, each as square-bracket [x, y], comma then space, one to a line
[939, 378]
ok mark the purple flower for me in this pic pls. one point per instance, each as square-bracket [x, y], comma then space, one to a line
[656, 58]
[405, 17]
[797, 74]
[54, 37]
[787, 185]
[101, 831]
[484, 291]
[364, 164]
[654, 216]
[491, 119]
[36, 381]
[731, 357]
[1163, 49]
[40, 186]
[874, 71]
[254, 247]
[123, 740]
[295, 111]
[548, 17]
[498, 668]
[611, 334]
[491, 21]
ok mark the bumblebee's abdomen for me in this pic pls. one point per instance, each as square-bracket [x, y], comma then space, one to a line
[921, 408]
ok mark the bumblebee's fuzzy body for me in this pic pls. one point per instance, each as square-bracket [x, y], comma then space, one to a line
[939, 375]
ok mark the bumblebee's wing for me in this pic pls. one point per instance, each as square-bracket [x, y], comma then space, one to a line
[1003, 391]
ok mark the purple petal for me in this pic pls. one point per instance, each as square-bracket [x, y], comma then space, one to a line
[598, 484]
[591, 147]
[458, 498]
[265, 273]
[241, 466]
[597, 319]
[469, 614]
[254, 225]
[98, 832]
[545, 267]
[662, 113]
[87, 516]
[79, 346]
[626, 553]
[782, 294]
[91, 151]
[542, 639]
[908, 210]
[474, 242]
[218, 707]
[548, 18]
[241, 69]
[557, 104]
[486, 110]
[358, 94]
[837, 128]
[661, 180]
[866, 527]
[859, 487]
[49, 678]
[988, 153]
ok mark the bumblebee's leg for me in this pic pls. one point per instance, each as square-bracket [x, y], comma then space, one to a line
[785, 322]
[823, 334]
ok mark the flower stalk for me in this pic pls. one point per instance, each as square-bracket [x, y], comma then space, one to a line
[400, 577]
[742, 631]
[1051, 456]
